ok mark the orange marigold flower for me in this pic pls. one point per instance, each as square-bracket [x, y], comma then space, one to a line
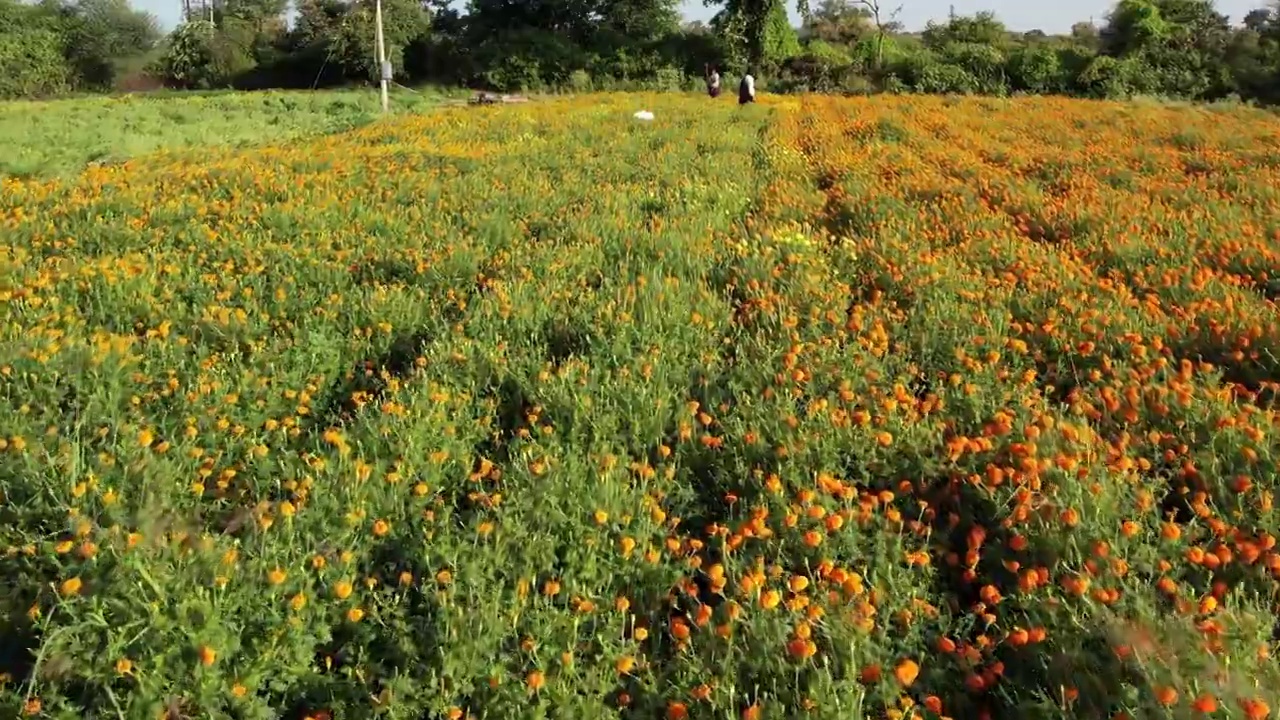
[1205, 704]
[535, 680]
[906, 672]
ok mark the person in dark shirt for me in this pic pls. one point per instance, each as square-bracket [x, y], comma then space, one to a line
[747, 87]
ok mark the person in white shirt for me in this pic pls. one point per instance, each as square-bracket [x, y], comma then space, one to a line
[747, 88]
[713, 81]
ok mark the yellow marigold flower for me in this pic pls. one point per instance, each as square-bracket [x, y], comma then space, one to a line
[342, 590]
[70, 587]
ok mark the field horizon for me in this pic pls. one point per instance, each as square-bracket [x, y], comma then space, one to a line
[894, 407]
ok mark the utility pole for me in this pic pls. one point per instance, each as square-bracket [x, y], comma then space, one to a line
[384, 68]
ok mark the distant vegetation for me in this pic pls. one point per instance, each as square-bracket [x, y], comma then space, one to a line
[1169, 48]
[60, 136]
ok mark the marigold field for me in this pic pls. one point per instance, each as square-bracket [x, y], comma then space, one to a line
[821, 408]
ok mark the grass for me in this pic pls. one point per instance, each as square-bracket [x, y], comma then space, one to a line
[823, 408]
[63, 136]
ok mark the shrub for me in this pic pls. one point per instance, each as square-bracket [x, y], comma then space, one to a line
[1036, 69]
[926, 72]
[201, 55]
[983, 63]
[814, 72]
[580, 81]
[669, 79]
[1104, 77]
[32, 63]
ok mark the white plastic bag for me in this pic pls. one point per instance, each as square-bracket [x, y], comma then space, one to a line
[644, 115]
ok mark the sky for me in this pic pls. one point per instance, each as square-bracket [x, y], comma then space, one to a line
[1050, 16]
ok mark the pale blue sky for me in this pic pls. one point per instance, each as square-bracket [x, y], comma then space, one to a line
[1047, 15]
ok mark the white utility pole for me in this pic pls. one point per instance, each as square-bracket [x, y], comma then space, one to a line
[384, 68]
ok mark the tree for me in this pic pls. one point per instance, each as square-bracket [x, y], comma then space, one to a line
[574, 19]
[1036, 68]
[1175, 47]
[885, 22]
[32, 60]
[352, 44]
[980, 29]
[1086, 34]
[1258, 20]
[99, 34]
[638, 20]
[200, 55]
[255, 10]
[1254, 60]
[758, 32]
[842, 22]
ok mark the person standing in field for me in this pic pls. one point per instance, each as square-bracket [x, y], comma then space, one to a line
[713, 81]
[747, 88]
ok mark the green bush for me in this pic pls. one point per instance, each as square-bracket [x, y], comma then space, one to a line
[928, 72]
[984, 63]
[830, 53]
[669, 79]
[580, 81]
[1036, 69]
[526, 60]
[1105, 77]
[101, 37]
[352, 45]
[200, 55]
[32, 63]
[823, 69]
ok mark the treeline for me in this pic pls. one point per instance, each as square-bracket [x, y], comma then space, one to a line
[1171, 48]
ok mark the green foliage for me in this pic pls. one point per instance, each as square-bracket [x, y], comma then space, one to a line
[99, 34]
[780, 40]
[980, 61]
[32, 63]
[1165, 48]
[838, 22]
[202, 55]
[828, 52]
[59, 137]
[981, 29]
[757, 33]
[529, 59]
[1133, 26]
[32, 52]
[56, 46]
[1106, 77]
[823, 67]
[927, 72]
[1175, 48]
[732, 31]
[1036, 69]
[353, 44]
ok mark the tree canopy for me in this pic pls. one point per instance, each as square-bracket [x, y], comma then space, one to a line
[1174, 48]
